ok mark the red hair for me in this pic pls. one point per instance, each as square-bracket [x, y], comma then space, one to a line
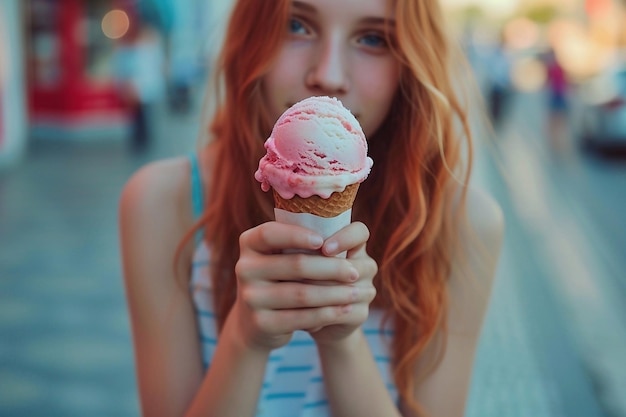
[412, 223]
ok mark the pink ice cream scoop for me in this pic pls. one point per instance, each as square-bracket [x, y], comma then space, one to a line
[317, 147]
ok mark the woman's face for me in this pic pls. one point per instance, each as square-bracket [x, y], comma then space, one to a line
[336, 48]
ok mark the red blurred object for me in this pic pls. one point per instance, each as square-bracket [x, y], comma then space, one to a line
[597, 7]
[60, 90]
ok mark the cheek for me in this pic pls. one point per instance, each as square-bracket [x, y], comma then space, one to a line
[274, 93]
[381, 82]
[282, 79]
[286, 70]
[377, 92]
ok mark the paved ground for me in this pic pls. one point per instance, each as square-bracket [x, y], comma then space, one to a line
[64, 338]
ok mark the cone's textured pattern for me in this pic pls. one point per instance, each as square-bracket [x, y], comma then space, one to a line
[337, 203]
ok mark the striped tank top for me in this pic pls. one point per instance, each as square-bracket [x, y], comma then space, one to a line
[293, 385]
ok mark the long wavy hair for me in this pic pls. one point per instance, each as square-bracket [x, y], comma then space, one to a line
[418, 153]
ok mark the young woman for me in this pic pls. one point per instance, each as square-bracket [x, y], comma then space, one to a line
[222, 322]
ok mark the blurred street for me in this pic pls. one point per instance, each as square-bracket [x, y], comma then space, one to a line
[554, 336]
[65, 347]
[554, 339]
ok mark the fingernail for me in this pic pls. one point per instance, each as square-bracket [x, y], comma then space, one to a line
[331, 247]
[316, 241]
[354, 274]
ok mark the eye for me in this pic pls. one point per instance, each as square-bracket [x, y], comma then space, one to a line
[297, 27]
[373, 40]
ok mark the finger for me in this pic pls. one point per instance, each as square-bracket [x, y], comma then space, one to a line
[351, 238]
[284, 321]
[366, 267]
[303, 267]
[314, 330]
[272, 237]
[295, 295]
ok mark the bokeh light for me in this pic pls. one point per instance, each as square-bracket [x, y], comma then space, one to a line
[521, 33]
[115, 24]
[576, 50]
[528, 74]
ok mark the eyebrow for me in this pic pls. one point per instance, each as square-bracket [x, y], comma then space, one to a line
[382, 21]
[304, 6]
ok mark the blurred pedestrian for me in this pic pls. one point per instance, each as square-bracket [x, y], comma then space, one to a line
[557, 89]
[138, 65]
[227, 320]
[499, 85]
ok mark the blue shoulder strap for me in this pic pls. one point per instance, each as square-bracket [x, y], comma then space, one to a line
[197, 192]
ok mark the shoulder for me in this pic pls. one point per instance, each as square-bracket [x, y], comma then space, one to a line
[475, 260]
[156, 202]
[155, 214]
[485, 220]
[155, 217]
[161, 189]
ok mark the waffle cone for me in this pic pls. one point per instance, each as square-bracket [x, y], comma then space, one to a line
[337, 203]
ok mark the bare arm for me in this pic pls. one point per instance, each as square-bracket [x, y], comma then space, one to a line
[444, 393]
[234, 380]
[167, 356]
[154, 216]
[353, 382]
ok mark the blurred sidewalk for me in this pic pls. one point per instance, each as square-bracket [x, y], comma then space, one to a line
[64, 339]
[65, 347]
[554, 338]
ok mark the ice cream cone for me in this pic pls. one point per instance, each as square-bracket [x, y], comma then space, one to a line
[337, 203]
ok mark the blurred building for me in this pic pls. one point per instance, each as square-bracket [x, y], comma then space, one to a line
[70, 88]
[12, 97]
[56, 66]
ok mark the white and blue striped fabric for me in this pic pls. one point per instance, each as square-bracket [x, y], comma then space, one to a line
[293, 385]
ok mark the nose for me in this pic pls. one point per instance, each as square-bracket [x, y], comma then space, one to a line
[328, 71]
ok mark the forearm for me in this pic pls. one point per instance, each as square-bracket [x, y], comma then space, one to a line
[353, 382]
[234, 379]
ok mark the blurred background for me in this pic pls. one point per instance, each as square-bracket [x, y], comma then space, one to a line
[92, 89]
